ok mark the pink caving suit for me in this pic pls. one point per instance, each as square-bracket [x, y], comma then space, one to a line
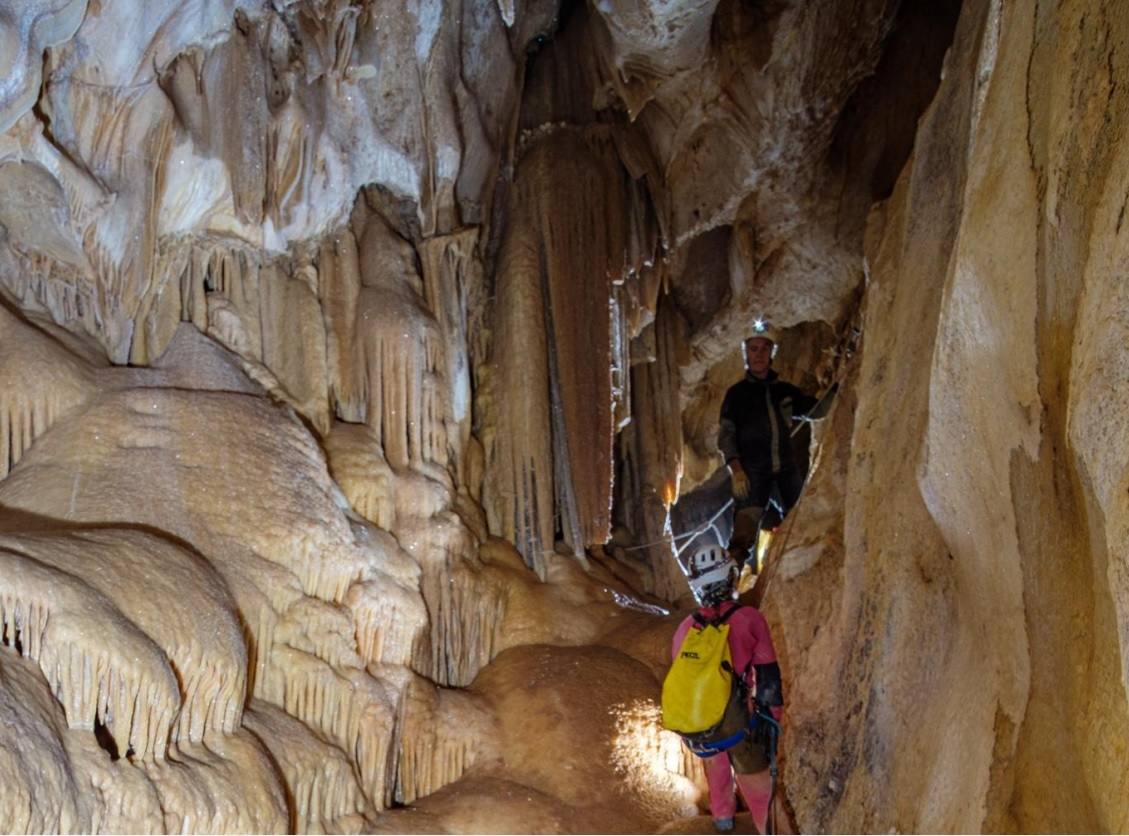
[749, 644]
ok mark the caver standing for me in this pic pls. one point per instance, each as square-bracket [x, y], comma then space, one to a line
[757, 418]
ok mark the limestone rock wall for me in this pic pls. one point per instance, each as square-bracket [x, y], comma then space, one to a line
[956, 643]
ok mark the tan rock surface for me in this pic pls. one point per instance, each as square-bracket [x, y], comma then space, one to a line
[952, 651]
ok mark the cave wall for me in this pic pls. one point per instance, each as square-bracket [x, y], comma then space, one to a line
[308, 308]
[256, 377]
[956, 636]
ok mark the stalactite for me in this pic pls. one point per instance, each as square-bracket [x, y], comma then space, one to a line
[400, 347]
[652, 450]
[580, 227]
[580, 215]
[42, 284]
[210, 661]
[518, 492]
[388, 621]
[358, 466]
[61, 624]
[385, 349]
[317, 553]
[319, 775]
[451, 274]
[235, 787]
[293, 336]
[348, 706]
[435, 749]
[38, 382]
[465, 604]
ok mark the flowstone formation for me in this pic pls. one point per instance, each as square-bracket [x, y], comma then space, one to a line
[352, 355]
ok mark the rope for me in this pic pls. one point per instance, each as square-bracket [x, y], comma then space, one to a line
[689, 535]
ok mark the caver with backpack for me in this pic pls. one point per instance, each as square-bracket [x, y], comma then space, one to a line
[723, 691]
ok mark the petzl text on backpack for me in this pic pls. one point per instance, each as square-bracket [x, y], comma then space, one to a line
[700, 681]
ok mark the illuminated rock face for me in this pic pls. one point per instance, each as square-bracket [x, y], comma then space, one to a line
[951, 640]
[337, 340]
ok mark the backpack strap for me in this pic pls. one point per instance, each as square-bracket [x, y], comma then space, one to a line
[728, 613]
[702, 621]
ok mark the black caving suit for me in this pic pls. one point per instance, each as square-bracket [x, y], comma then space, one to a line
[756, 425]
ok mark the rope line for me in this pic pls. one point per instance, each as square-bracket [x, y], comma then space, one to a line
[688, 536]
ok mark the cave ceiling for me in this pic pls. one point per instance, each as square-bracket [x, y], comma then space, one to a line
[131, 134]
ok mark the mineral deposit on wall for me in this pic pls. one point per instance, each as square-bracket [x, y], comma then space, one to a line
[353, 353]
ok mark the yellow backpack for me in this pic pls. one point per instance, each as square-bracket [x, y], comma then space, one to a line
[700, 682]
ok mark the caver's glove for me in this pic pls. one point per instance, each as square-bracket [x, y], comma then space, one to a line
[740, 484]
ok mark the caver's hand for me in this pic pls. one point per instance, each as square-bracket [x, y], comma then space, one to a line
[740, 483]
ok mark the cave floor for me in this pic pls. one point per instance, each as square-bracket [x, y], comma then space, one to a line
[743, 823]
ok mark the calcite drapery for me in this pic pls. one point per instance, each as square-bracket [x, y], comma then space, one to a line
[518, 493]
[223, 129]
[397, 353]
[556, 275]
[38, 383]
[26, 29]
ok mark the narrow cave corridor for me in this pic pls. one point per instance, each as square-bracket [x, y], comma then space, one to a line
[380, 384]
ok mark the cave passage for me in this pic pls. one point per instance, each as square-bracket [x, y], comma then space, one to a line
[362, 375]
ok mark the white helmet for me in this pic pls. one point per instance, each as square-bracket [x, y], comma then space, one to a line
[763, 331]
[712, 574]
